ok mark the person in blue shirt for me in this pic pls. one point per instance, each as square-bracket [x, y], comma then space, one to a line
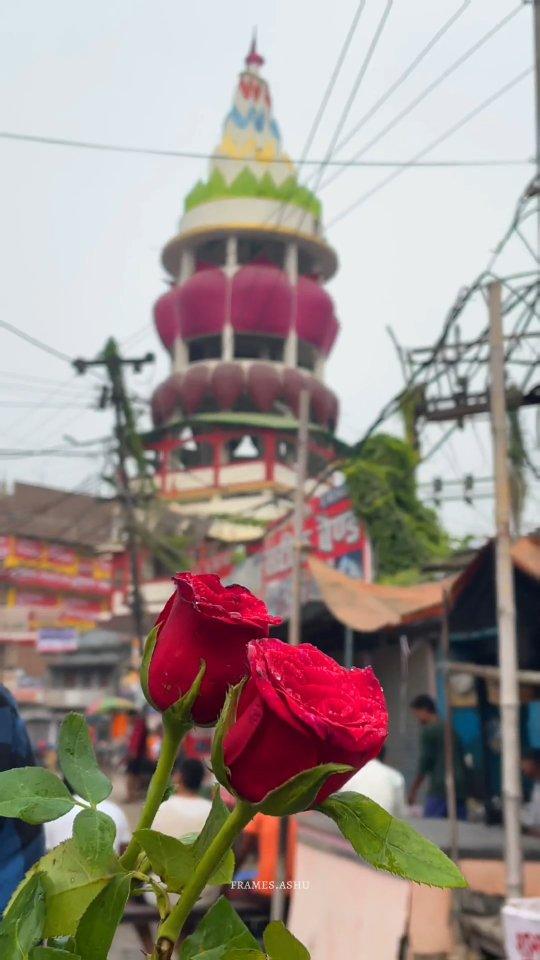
[20, 843]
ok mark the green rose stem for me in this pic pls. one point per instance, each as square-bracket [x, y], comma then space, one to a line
[174, 731]
[171, 928]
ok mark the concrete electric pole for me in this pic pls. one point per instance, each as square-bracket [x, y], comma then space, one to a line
[506, 614]
[277, 907]
[114, 363]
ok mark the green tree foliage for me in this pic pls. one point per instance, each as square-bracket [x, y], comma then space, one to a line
[517, 457]
[405, 533]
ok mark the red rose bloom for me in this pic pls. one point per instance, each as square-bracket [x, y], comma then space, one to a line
[204, 620]
[300, 709]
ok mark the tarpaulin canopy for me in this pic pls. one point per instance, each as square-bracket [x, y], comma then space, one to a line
[368, 607]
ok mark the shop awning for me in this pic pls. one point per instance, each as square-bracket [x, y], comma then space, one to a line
[369, 607]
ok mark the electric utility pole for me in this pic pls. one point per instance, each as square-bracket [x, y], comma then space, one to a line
[277, 906]
[299, 495]
[114, 365]
[536, 37]
[506, 614]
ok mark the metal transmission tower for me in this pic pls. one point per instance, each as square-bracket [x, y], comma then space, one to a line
[449, 380]
[492, 369]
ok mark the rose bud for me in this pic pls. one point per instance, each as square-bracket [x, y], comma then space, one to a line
[203, 620]
[300, 709]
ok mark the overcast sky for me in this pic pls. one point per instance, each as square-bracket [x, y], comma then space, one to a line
[81, 231]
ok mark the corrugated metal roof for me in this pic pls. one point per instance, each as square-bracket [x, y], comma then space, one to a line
[63, 516]
[526, 555]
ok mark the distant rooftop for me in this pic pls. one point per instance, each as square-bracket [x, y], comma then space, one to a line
[46, 513]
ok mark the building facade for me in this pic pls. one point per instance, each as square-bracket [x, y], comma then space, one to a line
[55, 580]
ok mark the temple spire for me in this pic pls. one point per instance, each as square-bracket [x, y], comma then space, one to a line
[254, 58]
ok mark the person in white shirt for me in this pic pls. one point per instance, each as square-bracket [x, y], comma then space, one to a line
[186, 811]
[530, 812]
[62, 829]
[381, 783]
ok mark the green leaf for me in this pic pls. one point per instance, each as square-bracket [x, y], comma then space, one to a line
[224, 872]
[78, 761]
[220, 927]
[239, 953]
[33, 794]
[280, 944]
[214, 822]
[10, 945]
[25, 915]
[225, 722]
[218, 815]
[99, 923]
[390, 844]
[175, 860]
[148, 652]
[299, 792]
[52, 953]
[71, 883]
[171, 859]
[94, 833]
[215, 953]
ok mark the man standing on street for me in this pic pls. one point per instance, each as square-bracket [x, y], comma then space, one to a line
[431, 763]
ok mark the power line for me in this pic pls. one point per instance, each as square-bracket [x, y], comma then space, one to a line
[41, 405]
[46, 348]
[34, 341]
[422, 96]
[406, 73]
[314, 162]
[37, 428]
[434, 143]
[15, 454]
[331, 84]
[137, 334]
[353, 93]
[30, 378]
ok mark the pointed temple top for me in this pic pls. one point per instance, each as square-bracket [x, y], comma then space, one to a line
[249, 160]
[254, 58]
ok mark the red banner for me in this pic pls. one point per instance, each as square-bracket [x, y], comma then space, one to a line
[332, 532]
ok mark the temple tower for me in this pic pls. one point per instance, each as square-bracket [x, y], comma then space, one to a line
[247, 323]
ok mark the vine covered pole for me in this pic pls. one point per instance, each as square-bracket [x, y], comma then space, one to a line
[127, 444]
